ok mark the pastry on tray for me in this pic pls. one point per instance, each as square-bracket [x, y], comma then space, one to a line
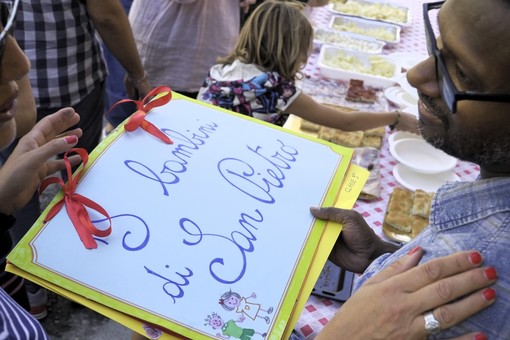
[371, 141]
[376, 132]
[358, 92]
[421, 203]
[407, 214]
[417, 223]
[306, 125]
[349, 139]
[399, 209]
[352, 139]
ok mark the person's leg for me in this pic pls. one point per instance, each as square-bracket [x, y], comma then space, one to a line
[115, 87]
[90, 109]
[11, 283]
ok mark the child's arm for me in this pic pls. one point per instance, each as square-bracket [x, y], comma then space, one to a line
[307, 108]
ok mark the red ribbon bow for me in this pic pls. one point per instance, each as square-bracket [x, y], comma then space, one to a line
[76, 203]
[137, 119]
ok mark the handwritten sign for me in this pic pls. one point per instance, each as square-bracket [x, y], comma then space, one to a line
[210, 235]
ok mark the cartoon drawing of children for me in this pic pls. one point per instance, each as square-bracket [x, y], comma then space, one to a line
[230, 328]
[233, 301]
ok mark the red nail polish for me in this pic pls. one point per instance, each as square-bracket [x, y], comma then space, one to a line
[414, 250]
[71, 139]
[480, 336]
[491, 273]
[475, 258]
[489, 294]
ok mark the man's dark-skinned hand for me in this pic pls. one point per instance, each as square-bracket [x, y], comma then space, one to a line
[358, 245]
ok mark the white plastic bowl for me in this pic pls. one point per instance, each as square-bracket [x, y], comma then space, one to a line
[401, 79]
[399, 135]
[422, 157]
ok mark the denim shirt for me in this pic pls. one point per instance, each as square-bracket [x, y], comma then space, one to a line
[468, 216]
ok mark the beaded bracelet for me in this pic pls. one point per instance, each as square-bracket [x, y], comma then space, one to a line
[394, 125]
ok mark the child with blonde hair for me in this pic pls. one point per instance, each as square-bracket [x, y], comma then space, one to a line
[258, 78]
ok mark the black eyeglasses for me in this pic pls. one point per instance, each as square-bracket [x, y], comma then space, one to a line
[7, 14]
[449, 92]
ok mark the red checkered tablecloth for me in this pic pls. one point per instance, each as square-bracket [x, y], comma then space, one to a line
[318, 310]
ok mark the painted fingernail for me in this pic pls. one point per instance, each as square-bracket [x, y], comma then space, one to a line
[491, 273]
[489, 294]
[480, 336]
[71, 139]
[414, 250]
[475, 258]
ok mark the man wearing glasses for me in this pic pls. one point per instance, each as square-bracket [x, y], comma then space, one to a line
[20, 175]
[464, 109]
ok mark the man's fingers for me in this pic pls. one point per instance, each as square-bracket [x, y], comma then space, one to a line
[335, 214]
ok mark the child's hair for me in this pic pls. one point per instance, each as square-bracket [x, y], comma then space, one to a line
[226, 296]
[277, 37]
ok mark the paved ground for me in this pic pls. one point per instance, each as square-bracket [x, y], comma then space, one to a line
[70, 321]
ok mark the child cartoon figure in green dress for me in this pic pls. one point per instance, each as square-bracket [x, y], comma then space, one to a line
[230, 328]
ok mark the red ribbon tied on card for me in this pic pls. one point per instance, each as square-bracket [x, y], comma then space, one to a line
[76, 203]
[157, 97]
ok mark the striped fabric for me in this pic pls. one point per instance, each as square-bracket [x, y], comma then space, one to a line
[16, 323]
[59, 40]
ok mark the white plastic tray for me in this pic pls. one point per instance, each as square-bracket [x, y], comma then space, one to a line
[373, 10]
[335, 72]
[348, 41]
[389, 33]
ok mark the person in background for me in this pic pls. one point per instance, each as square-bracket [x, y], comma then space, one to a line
[179, 40]
[68, 70]
[464, 110]
[257, 78]
[311, 3]
[115, 87]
